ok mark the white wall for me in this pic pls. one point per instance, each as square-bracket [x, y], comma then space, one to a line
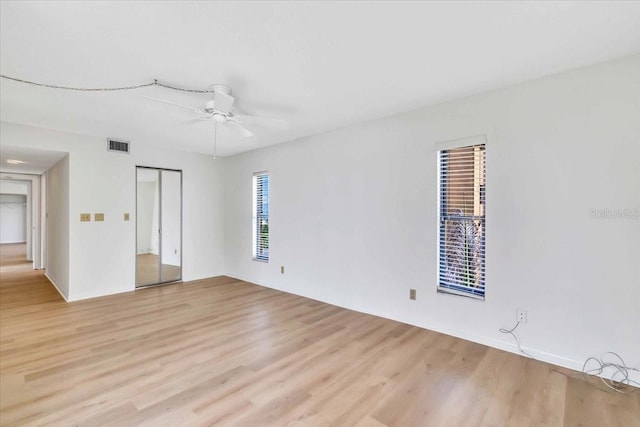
[354, 220]
[8, 186]
[102, 254]
[13, 218]
[57, 226]
[13, 211]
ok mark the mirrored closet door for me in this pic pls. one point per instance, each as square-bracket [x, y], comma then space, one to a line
[158, 226]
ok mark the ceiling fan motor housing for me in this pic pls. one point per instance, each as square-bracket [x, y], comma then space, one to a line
[222, 100]
[221, 88]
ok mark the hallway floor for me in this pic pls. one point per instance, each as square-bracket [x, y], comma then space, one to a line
[16, 273]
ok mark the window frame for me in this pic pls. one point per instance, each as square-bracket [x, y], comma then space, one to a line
[258, 250]
[480, 294]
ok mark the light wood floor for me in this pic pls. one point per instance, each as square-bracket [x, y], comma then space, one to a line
[14, 257]
[226, 352]
[147, 271]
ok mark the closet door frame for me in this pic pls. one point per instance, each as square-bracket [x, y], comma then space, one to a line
[159, 231]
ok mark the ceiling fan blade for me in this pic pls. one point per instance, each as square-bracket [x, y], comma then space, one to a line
[197, 110]
[198, 120]
[261, 121]
[241, 129]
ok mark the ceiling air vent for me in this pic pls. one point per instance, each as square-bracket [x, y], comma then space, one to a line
[119, 146]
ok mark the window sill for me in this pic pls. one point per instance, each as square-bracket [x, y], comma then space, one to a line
[461, 294]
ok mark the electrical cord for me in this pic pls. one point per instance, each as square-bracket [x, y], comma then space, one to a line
[107, 89]
[513, 334]
[619, 380]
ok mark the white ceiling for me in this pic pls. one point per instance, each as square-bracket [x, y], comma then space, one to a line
[319, 65]
[35, 161]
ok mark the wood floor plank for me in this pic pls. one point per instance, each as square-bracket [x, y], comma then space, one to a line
[221, 351]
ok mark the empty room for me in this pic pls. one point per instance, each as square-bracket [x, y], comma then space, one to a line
[319, 213]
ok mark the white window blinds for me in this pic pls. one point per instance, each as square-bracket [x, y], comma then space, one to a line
[461, 259]
[261, 216]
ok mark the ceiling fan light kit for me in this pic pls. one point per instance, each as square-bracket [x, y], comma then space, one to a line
[220, 118]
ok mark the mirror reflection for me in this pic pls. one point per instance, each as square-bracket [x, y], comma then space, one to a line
[158, 226]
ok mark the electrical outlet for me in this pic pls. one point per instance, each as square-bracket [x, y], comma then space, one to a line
[412, 294]
[282, 269]
[522, 315]
[85, 217]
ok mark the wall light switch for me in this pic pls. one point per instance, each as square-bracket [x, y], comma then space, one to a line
[85, 217]
[282, 269]
[98, 217]
[126, 216]
[412, 294]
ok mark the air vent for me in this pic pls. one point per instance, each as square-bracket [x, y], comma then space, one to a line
[119, 146]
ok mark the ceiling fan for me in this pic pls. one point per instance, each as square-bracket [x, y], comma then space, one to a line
[221, 111]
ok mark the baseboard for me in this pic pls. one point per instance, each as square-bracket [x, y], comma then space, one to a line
[509, 346]
[55, 285]
[90, 295]
[123, 289]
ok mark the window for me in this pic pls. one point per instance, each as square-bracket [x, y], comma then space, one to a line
[261, 216]
[461, 246]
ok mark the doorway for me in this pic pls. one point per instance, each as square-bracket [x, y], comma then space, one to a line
[21, 208]
[158, 226]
